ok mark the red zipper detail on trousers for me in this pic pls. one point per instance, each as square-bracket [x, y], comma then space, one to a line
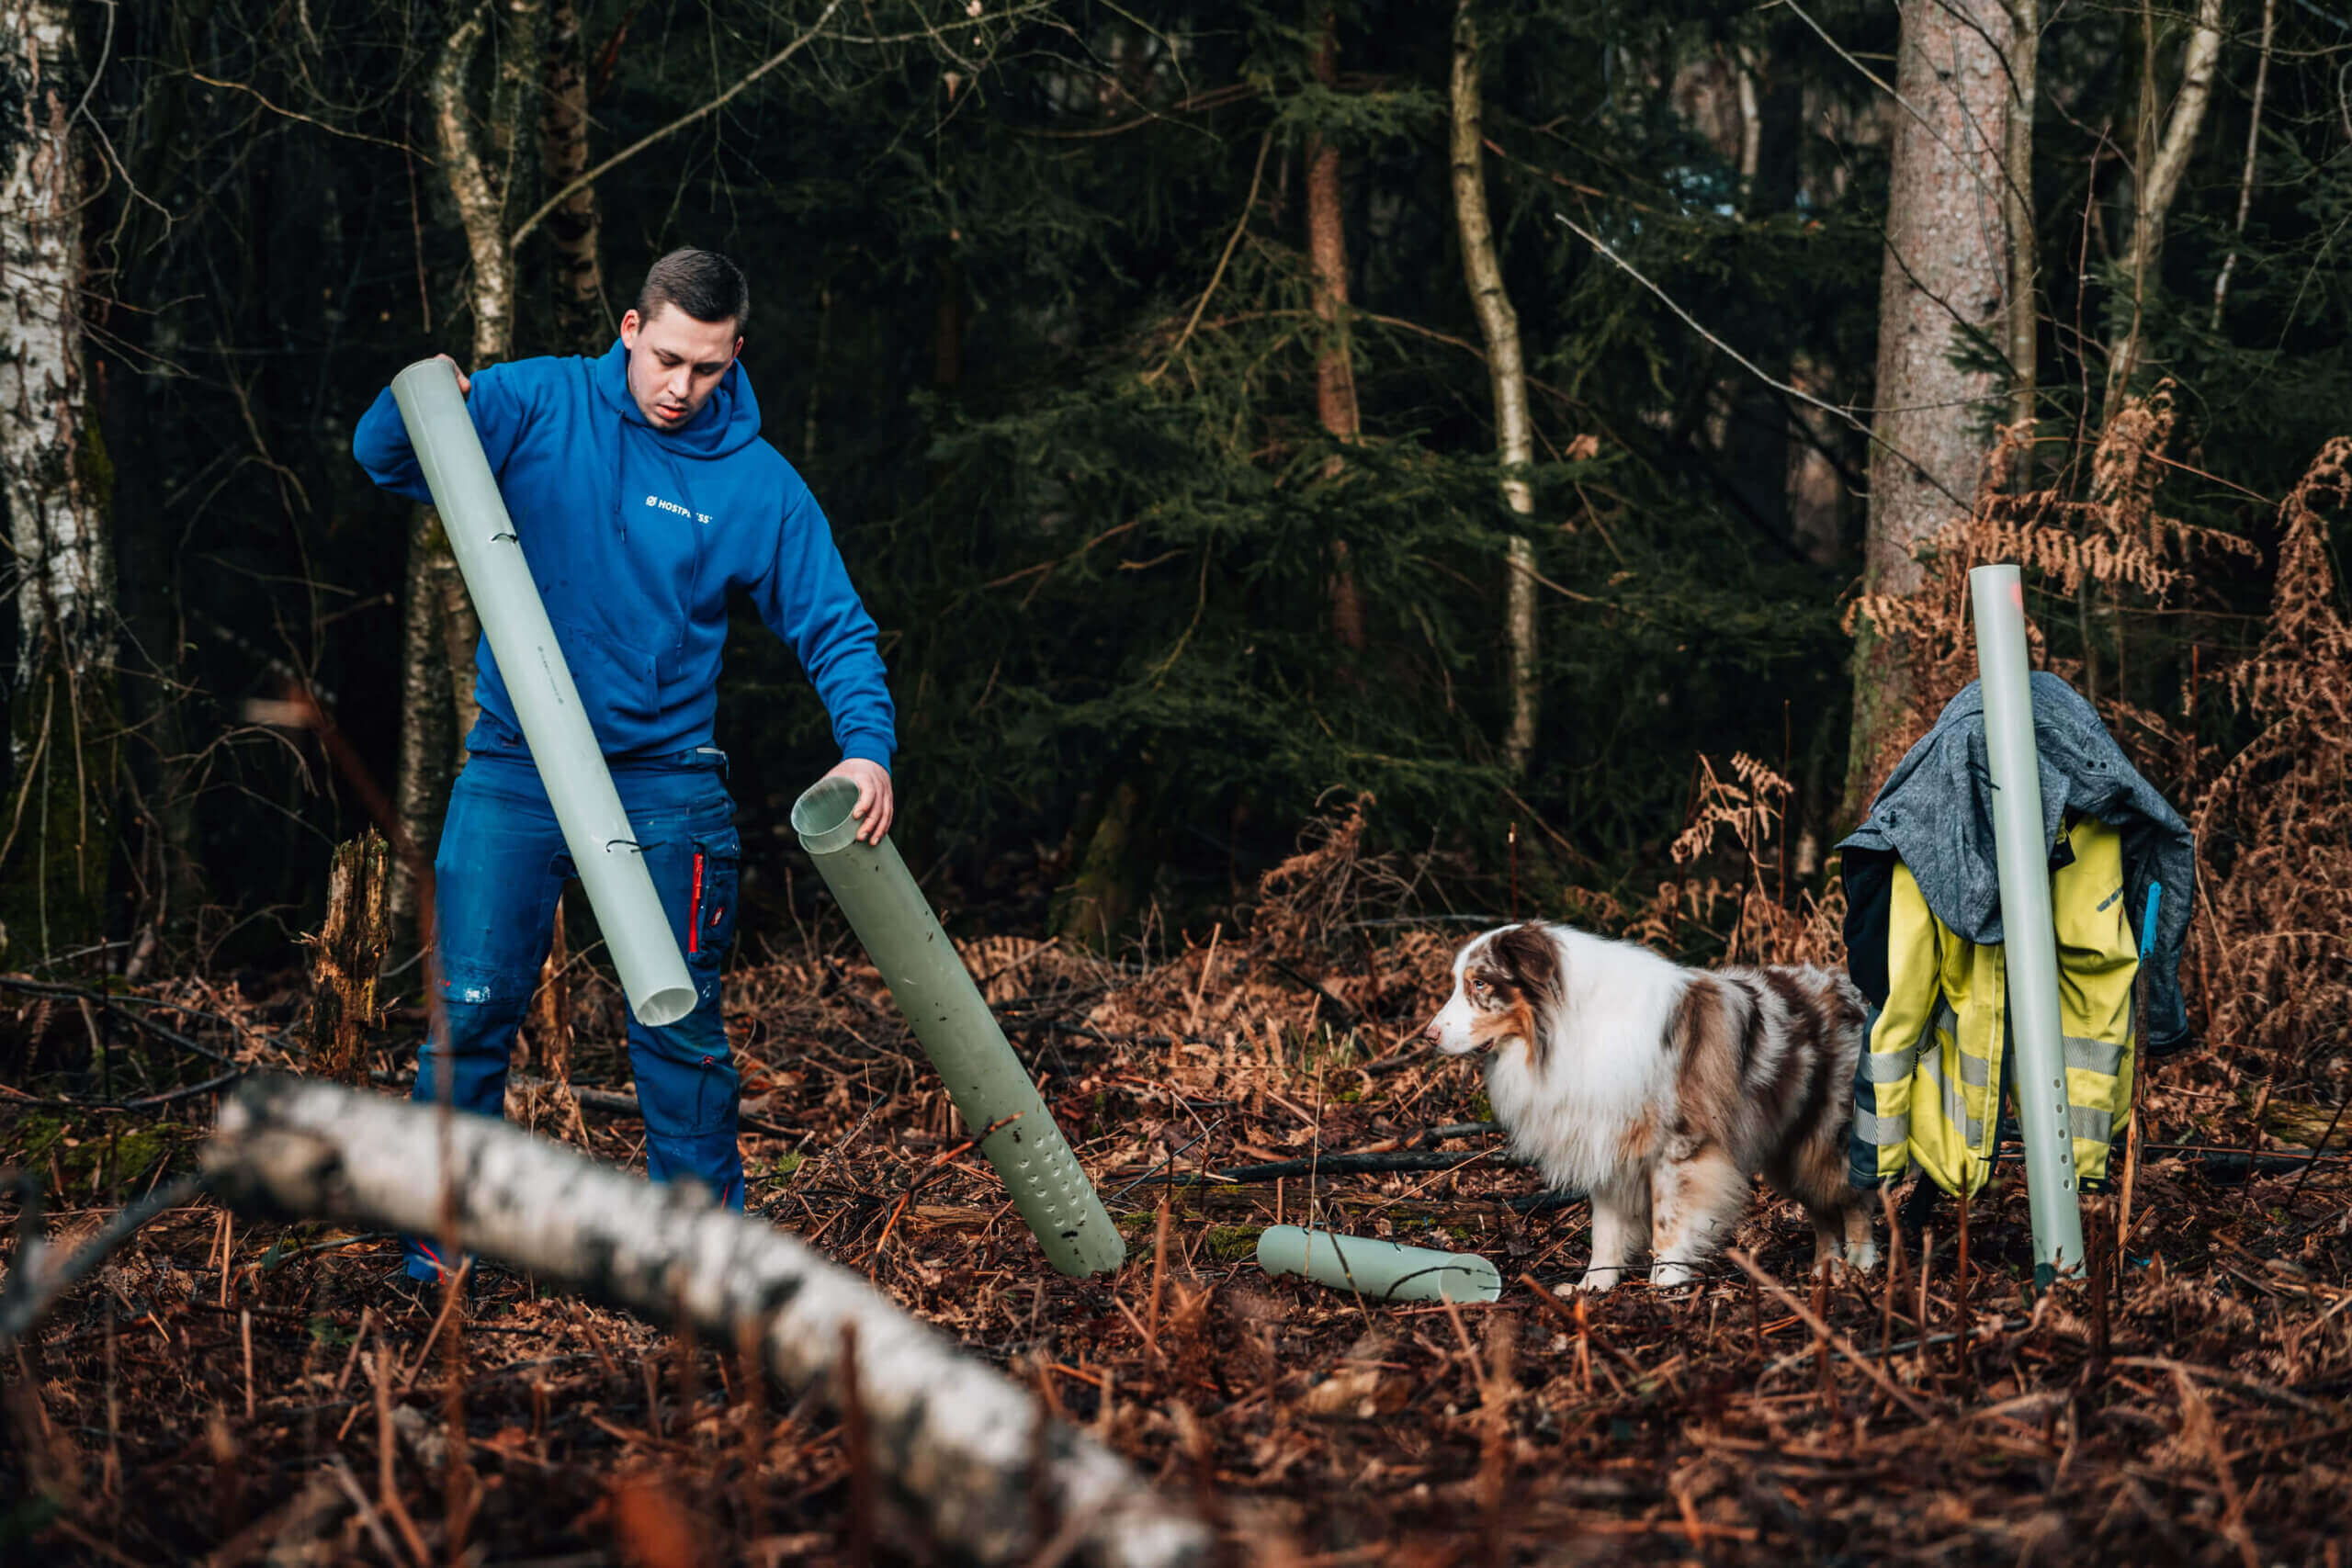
[694, 909]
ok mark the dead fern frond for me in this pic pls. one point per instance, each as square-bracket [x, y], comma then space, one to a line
[2274, 825]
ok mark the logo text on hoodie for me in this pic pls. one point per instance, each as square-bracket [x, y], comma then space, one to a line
[658, 504]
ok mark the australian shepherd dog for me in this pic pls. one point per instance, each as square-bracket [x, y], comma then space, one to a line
[1660, 1092]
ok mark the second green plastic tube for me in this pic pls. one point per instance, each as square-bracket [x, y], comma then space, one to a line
[929, 982]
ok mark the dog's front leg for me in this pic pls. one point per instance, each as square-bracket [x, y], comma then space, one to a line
[1621, 1218]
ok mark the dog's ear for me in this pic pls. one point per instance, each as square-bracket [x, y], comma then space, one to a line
[1528, 956]
[1527, 953]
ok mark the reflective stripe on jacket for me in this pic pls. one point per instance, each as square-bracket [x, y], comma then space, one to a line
[1927, 1088]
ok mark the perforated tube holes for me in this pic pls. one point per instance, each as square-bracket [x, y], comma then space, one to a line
[958, 1033]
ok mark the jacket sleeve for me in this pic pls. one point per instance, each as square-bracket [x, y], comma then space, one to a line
[806, 599]
[380, 439]
[1894, 1033]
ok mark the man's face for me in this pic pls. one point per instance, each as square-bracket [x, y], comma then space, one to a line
[674, 362]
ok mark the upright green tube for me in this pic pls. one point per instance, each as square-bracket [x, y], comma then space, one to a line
[547, 705]
[1382, 1270]
[959, 1034]
[2028, 937]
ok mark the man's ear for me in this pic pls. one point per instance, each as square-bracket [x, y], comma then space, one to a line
[632, 323]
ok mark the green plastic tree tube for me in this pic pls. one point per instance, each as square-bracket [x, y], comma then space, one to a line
[595, 828]
[958, 1033]
[1384, 1270]
[2028, 937]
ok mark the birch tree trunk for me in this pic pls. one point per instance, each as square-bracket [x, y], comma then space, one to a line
[1514, 432]
[440, 630]
[960, 1442]
[2162, 162]
[1335, 376]
[56, 478]
[1943, 288]
[583, 323]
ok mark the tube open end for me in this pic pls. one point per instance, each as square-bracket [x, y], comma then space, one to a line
[665, 1005]
[822, 815]
[436, 374]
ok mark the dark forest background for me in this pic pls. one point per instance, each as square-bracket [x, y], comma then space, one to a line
[1039, 317]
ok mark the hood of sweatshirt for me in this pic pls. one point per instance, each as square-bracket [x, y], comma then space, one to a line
[725, 424]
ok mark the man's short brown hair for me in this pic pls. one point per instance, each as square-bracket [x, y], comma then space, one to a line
[703, 284]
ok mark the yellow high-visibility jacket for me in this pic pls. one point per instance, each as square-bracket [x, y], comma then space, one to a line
[1928, 1088]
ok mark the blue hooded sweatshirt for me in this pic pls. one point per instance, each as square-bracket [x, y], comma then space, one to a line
[634, 537]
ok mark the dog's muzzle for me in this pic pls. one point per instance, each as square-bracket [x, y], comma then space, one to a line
[1435, 1037]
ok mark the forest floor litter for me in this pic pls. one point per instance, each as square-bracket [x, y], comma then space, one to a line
[276, 1394]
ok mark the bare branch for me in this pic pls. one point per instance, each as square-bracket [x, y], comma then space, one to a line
[258, 97]
[523, 230]
[32, 1289]
[2253, 145]
[1750, 366]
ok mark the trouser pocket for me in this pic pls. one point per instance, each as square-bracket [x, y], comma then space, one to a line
[713, 879]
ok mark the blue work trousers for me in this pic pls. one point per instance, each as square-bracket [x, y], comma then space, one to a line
[502, 867]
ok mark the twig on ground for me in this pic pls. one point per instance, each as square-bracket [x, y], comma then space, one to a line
[32, 1289]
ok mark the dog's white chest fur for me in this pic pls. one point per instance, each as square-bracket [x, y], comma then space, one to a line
[1604, 1074]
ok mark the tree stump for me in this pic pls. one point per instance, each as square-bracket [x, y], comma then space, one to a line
[348, 956]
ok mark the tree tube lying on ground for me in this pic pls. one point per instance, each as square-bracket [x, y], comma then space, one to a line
[1379, 1270]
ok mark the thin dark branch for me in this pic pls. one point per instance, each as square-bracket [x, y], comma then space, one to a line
[30, 1289]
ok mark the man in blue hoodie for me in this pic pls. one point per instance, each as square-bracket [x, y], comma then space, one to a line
[641, 494]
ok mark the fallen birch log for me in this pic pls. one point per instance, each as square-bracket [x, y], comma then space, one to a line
[956, 1440]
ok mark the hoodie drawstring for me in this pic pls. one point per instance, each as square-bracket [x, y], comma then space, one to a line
[621, 442]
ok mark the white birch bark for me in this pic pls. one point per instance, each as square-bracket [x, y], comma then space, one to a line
[440, 628]
[1514, 432]
[957, 1439]
[480, 201]
[2157, 181]
[56, 529]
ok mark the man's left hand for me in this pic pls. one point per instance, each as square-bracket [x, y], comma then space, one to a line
[873, 809]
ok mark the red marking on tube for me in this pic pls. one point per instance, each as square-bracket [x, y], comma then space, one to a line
[693, 908]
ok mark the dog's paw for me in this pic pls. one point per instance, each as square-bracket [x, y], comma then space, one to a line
[1594, 1282]
[1863, 1259]
[1667, 1276]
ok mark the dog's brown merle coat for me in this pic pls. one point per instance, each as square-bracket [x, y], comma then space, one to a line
[1660, 1090]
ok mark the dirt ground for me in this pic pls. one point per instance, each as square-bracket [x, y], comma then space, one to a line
[273, 1394]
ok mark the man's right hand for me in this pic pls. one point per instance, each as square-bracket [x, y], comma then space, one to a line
[465, 382]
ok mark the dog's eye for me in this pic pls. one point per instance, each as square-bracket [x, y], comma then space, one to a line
[1477, 987]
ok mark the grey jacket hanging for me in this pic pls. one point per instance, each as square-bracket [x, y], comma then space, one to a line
[1934, 814]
